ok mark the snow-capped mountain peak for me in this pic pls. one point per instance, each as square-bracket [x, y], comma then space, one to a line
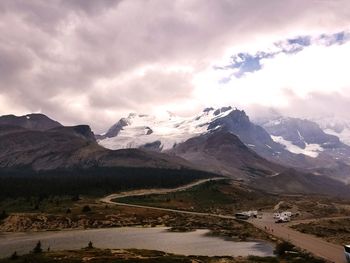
[140, 129]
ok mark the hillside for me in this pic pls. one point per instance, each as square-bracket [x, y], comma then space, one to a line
[222, 152]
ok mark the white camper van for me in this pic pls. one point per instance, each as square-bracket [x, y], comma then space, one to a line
[286, 213]
[276, 215]
[282, 217]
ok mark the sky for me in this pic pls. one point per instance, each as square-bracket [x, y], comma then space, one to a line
[93, 62]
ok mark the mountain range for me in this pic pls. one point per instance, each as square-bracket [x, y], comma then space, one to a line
[40, 143]
[227, 142]
[291, 141]
[220, 141]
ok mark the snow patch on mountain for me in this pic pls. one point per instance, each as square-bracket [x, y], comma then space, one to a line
[344, 134]
[311, 150]
[169, 129]
[337, 126]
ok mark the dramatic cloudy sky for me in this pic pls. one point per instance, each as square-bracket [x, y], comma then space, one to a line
[86, 61]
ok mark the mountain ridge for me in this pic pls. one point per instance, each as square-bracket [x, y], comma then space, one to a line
[33, 121]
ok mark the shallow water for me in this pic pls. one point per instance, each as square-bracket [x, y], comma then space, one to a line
[190, 243]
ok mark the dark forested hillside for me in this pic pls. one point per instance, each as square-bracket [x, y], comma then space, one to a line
[94, 181]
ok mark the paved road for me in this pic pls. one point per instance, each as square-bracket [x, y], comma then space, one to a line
[317, 246]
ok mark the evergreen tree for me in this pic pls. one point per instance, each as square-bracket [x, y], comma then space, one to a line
[90, 245]
[14, 256]
[37, 249]
[3, 215]
[86, 209]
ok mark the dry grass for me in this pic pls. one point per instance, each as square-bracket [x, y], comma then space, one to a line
[336, 230]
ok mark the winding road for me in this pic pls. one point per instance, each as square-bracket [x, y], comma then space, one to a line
[319, 247]
[108, 199]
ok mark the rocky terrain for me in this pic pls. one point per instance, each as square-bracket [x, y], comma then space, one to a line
[129, 217]
[223, 152]
[67, 147]
[33, 121]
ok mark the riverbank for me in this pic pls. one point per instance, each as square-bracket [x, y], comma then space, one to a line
[97, 255]
[129, 216]
[128, 256]
[196, 242]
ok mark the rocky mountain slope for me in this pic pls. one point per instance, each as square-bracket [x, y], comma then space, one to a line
[339, 127]
[294, 182]
[71, 147]
[220, 141]
[150, 132]
[289, 142]
[34, 121]
[304, 137]
[327, 154]
[138, 130]
[222, 152]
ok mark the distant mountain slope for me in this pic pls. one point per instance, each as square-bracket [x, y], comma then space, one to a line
[290, 142]
[34, 121]
[162, 134]
[339, 127]
[222, 152]
[324, 153]
[305, 135]
[71, 147]
[337, 170]
[293, 182]
[302, 136]
[211, 146]
[68, 161]
[138, 130]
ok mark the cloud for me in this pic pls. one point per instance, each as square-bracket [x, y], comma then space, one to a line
[243, 63]
[297, 84]
[88, 61]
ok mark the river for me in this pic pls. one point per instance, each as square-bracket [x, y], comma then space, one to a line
[189, 243]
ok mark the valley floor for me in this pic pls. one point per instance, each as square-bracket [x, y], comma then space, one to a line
[206, 205]
[335, 230]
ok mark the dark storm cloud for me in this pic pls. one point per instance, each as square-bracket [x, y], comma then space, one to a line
[76, 59]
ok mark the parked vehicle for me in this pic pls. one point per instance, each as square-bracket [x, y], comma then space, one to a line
[282, 219]
[247, 214]
[242, 215]
[279, 214]
[347, 253]
[286, 213]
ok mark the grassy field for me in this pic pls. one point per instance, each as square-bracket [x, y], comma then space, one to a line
[225, 197]
[320, 206]
[52, 204]
[335, 230]
[215, 197]
[70, 212]
[145, 256]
